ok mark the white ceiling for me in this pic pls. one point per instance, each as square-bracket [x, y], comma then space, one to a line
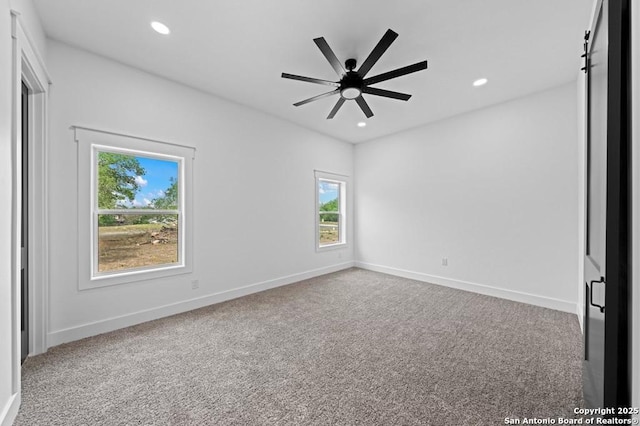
[238, 49]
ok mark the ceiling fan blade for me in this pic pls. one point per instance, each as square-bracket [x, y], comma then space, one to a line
[336, 108]
[386, 93]
[396, 73]
[331, 57]
[315, 98]
[364, 107]
[310, 79]
[377, 52]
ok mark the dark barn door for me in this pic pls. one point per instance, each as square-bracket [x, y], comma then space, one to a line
[24, 231]
[607, 266]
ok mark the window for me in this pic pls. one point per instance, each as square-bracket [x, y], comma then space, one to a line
[137, 210]
[330, 211]
[134, 208]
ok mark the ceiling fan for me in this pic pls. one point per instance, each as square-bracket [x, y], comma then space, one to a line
[353, 84]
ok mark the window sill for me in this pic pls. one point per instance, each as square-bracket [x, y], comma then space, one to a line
[329, 247]
[132, 276]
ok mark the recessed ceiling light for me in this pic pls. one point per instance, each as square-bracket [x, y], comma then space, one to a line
[362, 124]
[160, 27]
[480, 82]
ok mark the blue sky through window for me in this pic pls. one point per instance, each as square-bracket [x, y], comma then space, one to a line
[327, 191]
[156, 180]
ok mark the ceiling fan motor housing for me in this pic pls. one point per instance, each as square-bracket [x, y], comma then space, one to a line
[351, 85]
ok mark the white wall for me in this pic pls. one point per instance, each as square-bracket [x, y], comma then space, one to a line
[254, 192]
[494, 191]
[31, 21]
[582, 191]
[6, 325]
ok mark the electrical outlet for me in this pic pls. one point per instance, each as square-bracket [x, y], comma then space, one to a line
[445, 261]
[195, 284]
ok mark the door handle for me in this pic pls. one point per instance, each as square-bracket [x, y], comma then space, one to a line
[601, 280]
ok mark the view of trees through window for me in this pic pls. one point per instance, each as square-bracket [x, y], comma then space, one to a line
[137, 211]
[329, 202]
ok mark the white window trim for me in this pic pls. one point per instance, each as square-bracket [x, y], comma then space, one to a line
[90, 141]
[343, 181]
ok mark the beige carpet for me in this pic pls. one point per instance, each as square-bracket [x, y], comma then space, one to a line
[349, 348]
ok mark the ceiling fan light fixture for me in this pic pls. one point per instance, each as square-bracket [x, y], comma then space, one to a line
[350, 93]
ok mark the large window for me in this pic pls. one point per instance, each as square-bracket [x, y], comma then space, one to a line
[330, 211]
[137, 210]
[134, 208]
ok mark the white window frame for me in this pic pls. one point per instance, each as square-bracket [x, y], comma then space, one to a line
[90, 142]
[342, 181]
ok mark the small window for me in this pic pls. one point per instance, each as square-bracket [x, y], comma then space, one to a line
[134, 210]
[330, 216]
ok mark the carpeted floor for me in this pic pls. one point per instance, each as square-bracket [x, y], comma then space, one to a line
[350, 348]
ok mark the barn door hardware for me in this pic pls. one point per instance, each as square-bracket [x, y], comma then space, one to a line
[586, 50]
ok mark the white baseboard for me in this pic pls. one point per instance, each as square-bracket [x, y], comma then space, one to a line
[531, 299]
[10, 410]
[115, 323]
